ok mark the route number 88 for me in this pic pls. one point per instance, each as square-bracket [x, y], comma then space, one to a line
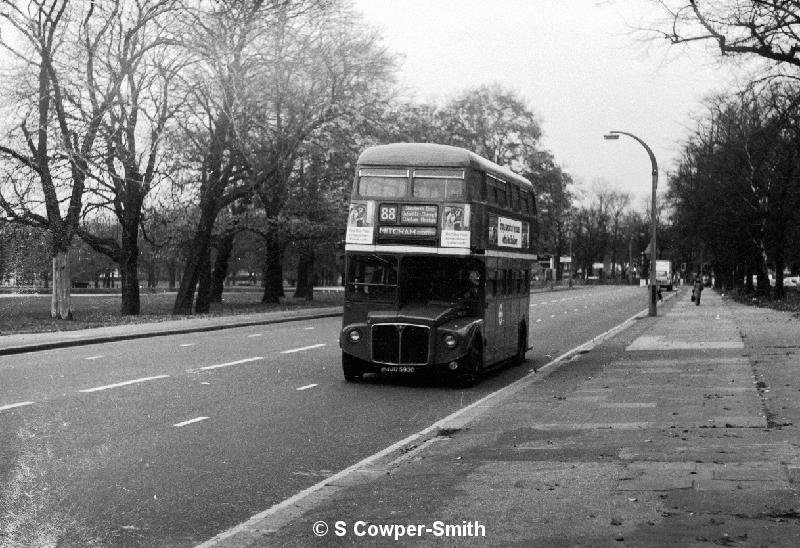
[388, 213]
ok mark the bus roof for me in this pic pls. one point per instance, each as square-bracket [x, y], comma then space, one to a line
[434, 155]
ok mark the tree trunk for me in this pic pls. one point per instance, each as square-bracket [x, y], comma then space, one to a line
[60, 294]
[172, 274]
[780, 261]
[221, 264]
[129, 272]
[152, 279]
[198, 256]
[130, 289]
[305, 273]
[203, 304]
[273, 271]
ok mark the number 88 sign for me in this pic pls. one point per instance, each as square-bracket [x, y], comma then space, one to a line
[388, 213]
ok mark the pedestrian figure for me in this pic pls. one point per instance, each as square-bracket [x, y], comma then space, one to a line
[697, 289]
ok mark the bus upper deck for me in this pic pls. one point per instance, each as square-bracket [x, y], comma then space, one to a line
[421, 194]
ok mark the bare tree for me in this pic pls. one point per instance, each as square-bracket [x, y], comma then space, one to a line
[618, 203]
[54, 138]
[318, 72]
[140, 45]
[763, 28]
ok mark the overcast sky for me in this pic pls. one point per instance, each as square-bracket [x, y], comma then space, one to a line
[579, 65]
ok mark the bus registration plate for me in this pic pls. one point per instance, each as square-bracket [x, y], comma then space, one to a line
[397, 369]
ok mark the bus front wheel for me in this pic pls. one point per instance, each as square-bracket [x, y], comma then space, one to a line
[352, 368]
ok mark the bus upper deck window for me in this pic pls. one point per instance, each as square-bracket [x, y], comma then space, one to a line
[439, 184]
[382, 182]
[497, 191]
[513, 192]
[524, 201]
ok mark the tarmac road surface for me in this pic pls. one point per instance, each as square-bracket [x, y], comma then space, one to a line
[169, 440]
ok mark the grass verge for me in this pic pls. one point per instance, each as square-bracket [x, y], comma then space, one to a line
[30, 313]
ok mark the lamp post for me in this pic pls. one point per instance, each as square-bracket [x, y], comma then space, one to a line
[614, 135]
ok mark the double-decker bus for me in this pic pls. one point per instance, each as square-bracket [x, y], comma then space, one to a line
[438, 254]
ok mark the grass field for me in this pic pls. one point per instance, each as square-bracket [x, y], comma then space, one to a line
[31, 313]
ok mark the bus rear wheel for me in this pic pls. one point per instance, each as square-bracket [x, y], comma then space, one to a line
[470, 368]
[352, 368]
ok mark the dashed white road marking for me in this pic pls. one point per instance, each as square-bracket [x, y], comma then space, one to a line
[255, 335]
[308, 328]
[190, 421]
[15, 405]
[306, 387]
[217, 366]
[94, 357]
[124, 383]
[187, 344]
[303, 348]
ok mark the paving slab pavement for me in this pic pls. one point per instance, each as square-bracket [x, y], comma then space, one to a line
[677, 431]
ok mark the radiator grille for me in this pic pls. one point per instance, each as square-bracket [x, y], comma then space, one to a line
[400, 344]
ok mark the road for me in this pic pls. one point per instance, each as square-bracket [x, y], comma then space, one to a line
[170, 440]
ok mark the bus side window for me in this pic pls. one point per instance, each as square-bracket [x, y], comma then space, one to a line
[491, 184]
[501, 193]
[480, 187]
[524, 202]
[513, 191]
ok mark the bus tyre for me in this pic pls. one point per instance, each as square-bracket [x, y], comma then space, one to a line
[522, 345]
[352, 368]
[469, 370]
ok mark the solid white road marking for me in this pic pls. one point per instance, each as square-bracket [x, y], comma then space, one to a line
[237, 362]
[303, 348]
[14, 405]
[190, 421]
[306, 387]
[124, 383]
[94, 357]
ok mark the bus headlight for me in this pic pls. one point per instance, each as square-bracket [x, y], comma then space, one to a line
[354, 336]
[450, 341]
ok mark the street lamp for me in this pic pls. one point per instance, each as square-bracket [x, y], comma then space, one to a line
[614, 135]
